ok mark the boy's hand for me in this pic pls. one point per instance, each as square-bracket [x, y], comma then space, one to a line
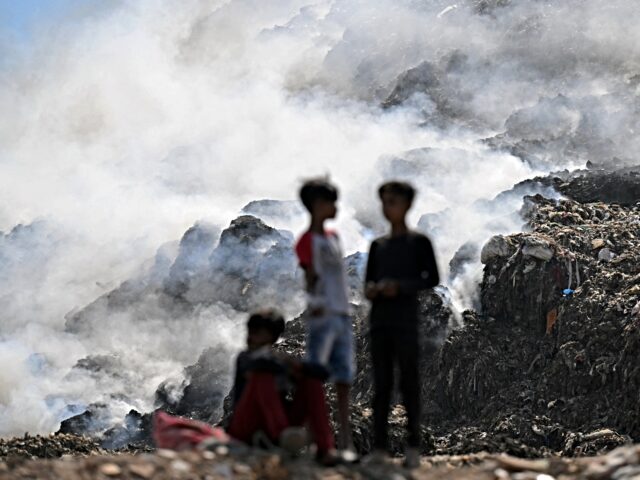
[371, 290]
[311, 278]
[388, 288]
[294, 364]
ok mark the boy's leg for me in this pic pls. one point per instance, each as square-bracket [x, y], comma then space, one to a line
[342, 365]
[309, 405]
[408, 354]
[344, 411]
[382, 354]
[319, 340]
[259, 408]
[321, 337]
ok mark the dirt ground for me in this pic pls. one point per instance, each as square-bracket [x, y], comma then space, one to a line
[621, 464]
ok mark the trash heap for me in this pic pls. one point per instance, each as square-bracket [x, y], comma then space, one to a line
[550, 366]
[545, 367]
[620, 185]
[239, 267]
[51, 446]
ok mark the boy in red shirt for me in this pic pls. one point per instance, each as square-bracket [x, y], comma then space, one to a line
[329, 327]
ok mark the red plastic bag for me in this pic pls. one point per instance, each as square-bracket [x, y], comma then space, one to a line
[177, 433]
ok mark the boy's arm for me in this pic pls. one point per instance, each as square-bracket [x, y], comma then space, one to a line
[370, 287]
[315, 302]
[310, 278]
[428, 271]
[433, 276]
[240, 377]
[304, 251]
[269, 364]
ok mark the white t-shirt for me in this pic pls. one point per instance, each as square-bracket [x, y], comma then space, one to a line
[323, 253]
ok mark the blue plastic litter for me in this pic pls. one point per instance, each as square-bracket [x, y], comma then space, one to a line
[567, 292]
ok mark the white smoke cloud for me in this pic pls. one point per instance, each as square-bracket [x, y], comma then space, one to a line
[127, 122]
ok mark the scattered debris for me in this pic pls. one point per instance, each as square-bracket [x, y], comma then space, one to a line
[52, 446]
[621, 464]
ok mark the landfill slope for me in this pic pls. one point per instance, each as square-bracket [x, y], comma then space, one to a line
[546, 366]
[551, 364]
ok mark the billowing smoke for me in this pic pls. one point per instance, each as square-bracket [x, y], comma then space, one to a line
[124, 125]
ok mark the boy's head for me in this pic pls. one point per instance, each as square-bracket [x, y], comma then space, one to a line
[264, 328]
[397, 198]
[319, 197]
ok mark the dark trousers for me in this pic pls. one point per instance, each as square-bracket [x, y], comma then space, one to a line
[391, 347]
[260, 408]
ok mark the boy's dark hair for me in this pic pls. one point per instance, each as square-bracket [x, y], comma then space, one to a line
[268, 319]
[402, 189]
[317, 189]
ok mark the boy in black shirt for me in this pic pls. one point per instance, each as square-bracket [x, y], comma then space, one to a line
[400, 265]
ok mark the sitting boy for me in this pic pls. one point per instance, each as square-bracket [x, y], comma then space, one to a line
[264, 378]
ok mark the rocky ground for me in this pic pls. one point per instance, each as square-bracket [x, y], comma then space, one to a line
[621, 464]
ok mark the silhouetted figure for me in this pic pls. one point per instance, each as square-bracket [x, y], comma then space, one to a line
[329, 327]
[264, 378]
[400, 265]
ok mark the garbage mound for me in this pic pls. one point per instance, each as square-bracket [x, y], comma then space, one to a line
[621, 186]
[549, 367]
[545, 367]
[247, 262]
[539, 371]
[52, 446]
[202, 392]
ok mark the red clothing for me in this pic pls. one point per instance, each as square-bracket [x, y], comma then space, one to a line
[179, 433]
[304, 250]
[261, 408]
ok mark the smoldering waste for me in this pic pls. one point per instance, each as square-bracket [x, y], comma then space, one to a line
[547, 368]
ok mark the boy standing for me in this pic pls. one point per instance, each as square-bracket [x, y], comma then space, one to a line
[329, 328]
[400, 265]
[264, 379]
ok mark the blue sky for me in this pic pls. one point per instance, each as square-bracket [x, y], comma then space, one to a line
[18, 16]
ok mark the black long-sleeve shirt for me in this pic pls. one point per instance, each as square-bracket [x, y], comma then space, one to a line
[261, 360]
[409, 260]
[265, 360]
